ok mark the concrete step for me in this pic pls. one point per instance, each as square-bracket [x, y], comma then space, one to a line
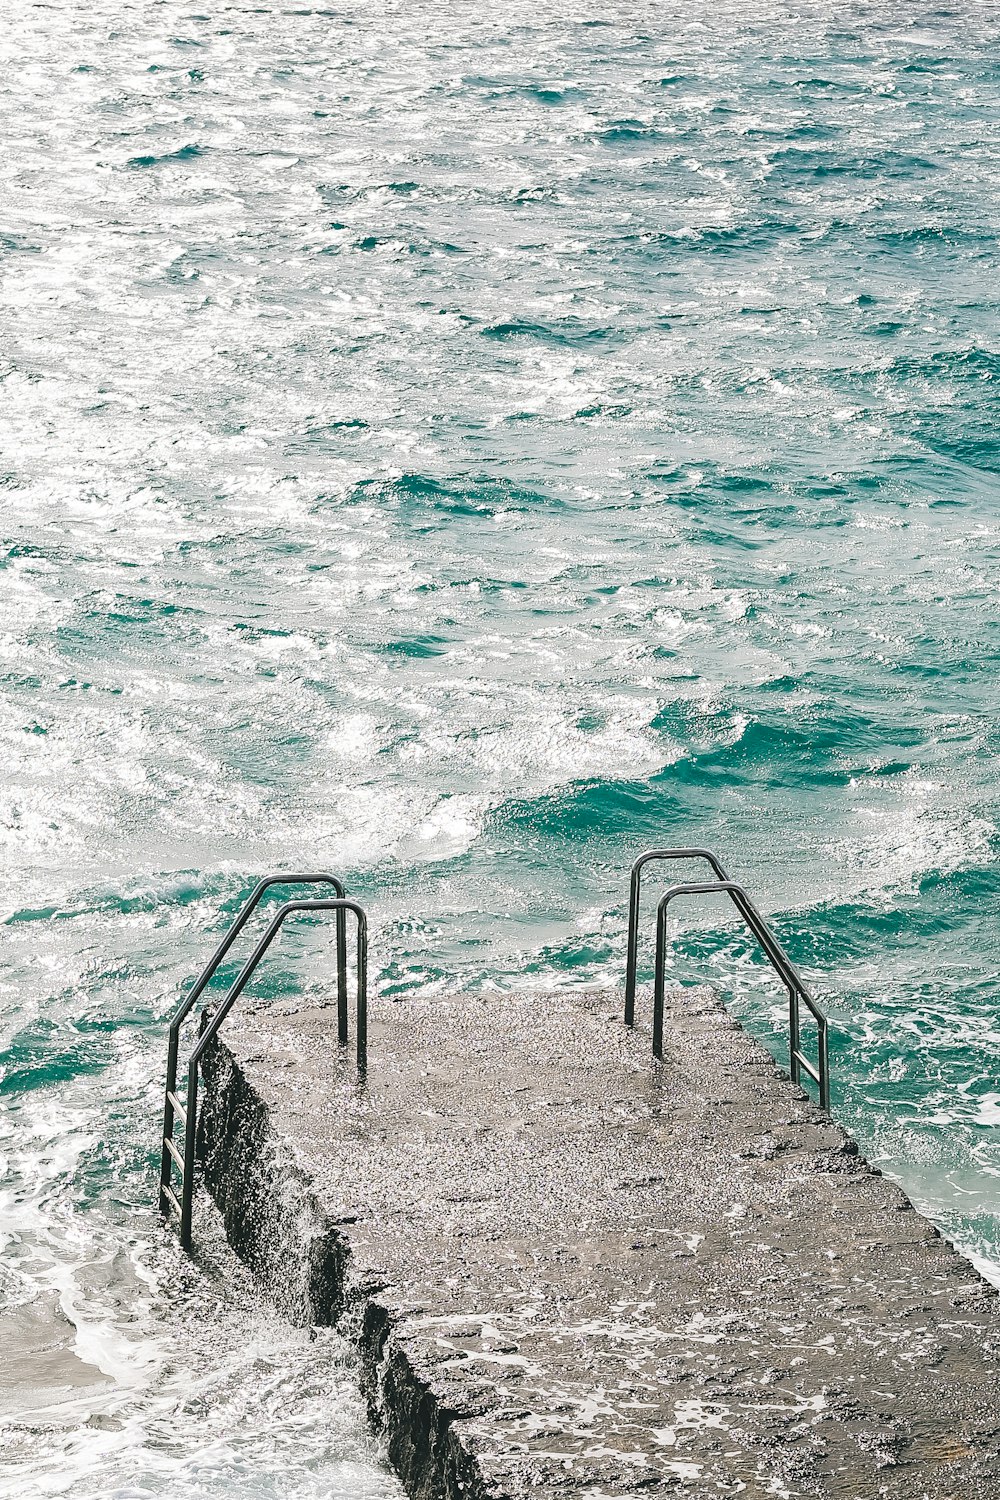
[572, 1271]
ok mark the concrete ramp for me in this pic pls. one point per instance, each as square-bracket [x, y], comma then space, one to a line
[571, 1271]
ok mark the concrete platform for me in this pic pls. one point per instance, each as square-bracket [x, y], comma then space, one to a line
[570, 1271]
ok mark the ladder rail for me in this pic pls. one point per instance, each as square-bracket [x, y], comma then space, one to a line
[632, 960]
[341, 906]
[208, 972]
[781, 963]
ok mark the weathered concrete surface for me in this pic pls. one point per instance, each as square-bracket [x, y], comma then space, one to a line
[573, 1272]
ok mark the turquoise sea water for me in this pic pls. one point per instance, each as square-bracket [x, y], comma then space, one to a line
[460, 447]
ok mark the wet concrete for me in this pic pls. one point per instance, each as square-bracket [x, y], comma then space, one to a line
[570, 1271]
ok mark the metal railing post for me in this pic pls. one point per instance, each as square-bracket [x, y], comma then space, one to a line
[361, 1020]
[823, 1027]
[769, 944]
[632, 951]
[187, 1182]
[190, 999]
[236, 990]
[341, 973]
[794, 1035]
[660, 977]
[632, 955]
[189, 1111]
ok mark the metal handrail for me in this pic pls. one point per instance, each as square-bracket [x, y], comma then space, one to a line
[775, 953]
[341, 906]
[207, 973]
[780, 962]
[632, 960]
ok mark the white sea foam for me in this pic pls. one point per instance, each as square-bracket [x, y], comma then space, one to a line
[139, 1374]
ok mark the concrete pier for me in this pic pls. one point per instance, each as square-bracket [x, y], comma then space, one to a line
[572, 1272]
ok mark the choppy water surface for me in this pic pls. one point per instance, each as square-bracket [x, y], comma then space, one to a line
[460, 446]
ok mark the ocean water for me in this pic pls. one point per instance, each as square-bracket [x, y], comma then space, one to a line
[461, 446]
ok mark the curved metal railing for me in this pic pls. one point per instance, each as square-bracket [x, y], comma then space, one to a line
[789, 975]
[216, 1019]
[187, 1110]
[171, 1105]
[632, 959]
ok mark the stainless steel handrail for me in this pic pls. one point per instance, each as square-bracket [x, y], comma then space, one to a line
[632, 959]
[217, 1017]
[766, 938]
[187, 1004]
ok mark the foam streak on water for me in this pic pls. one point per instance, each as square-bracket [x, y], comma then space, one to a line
[460, 446]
